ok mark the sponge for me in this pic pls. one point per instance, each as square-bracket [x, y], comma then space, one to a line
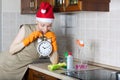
[53, 67]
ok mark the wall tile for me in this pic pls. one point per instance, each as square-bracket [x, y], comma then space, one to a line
[101, 30]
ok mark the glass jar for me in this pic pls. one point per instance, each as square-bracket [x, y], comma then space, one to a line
[72, 2]
[58, 2]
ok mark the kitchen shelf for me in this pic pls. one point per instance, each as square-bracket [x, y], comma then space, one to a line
[31, 6]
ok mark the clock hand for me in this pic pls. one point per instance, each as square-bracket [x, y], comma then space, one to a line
[44, 47]
[47, 47]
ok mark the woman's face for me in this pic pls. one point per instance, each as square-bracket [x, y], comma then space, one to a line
[44, 26]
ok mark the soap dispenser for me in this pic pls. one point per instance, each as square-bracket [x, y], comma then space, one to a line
[69, 61]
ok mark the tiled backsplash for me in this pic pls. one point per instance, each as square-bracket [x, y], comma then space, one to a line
[99, 30]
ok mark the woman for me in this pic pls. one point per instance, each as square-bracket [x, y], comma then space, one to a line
[24, 49]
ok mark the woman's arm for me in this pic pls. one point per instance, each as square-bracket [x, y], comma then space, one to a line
[17, 44]
[54, 57]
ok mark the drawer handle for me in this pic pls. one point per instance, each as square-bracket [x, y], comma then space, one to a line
[42, 77]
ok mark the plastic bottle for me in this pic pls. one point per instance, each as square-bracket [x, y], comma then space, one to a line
[65, 56]
[70, 61]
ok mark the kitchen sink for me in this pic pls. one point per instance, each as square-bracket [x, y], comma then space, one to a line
[97, 74]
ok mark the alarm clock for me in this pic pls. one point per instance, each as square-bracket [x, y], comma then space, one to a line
[44, 47]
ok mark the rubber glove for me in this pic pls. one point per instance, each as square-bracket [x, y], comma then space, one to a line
[33, 36]
[51, 35]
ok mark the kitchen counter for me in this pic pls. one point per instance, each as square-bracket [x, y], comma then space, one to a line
[43, 67]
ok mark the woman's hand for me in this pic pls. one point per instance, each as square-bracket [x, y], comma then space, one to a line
[54, 57]
[33, 36]
[51, 35]
[20, 42]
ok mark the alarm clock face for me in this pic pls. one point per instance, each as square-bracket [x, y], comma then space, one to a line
[44, 48]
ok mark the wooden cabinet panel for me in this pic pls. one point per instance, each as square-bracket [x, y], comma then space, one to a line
[99, 1]
[95, 5]
[28, 6]
[35, 75]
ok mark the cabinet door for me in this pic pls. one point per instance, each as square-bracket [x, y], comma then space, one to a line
[31, 6]
[28, 6]
[81, 5]
[35, 75]
[96, 5]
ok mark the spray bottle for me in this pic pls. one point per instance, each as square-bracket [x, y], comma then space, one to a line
[69, 61]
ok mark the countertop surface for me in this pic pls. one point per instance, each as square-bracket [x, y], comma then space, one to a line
[43, 67]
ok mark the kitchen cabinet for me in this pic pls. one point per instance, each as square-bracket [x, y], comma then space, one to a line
[81, 5]
[35, 75]
[31, 6]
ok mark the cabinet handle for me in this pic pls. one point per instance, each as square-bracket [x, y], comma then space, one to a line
[42, 77]
[32, 4]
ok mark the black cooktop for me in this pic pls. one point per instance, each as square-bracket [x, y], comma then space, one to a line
[97, 74]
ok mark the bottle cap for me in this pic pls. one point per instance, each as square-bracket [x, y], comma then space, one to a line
[70, 53]
[65, 54]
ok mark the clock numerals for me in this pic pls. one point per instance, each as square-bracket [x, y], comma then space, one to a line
[44, 48]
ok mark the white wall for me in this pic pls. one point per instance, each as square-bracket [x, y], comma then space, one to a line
[0, 22]
[11, 20]
[11, 6]
[99, 30]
